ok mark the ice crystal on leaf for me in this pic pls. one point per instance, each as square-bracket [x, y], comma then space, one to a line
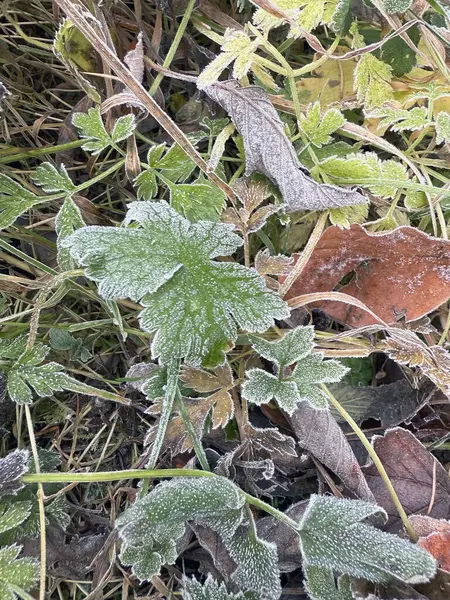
[301, 385]
[335, 535]
[152, 526]
[90, 127]
[209, 590]
[193, 303]
[12, 467]
[321, 585]
[21, 573]
[52, 179]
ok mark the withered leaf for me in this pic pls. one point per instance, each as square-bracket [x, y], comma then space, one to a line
[400, 273]
[434, 537]
[391, 404]
[318, 432]
[406, 348]
[420, 481]
[269, 151]
[200, 380]
[266, 264]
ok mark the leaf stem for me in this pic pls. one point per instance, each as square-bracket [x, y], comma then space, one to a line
[174, 46]
[148, 474]
[377, 462]
[198, 448]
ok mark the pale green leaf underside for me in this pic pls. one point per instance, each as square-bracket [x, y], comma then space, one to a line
[193, 303]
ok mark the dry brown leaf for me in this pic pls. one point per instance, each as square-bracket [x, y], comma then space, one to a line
[421, 482]
[434, 536]
[401, 273]
[200, 380]
[266, 264]
[268, 150]
[318, 432]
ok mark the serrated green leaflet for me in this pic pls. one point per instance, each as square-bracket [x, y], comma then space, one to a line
[372, 81]
[16, 572]
[399, 119]
[302, 385]
[396, 6]
[443, 128]
[197, 201]
[15, 200]
[333, 537]
[209, 590]
[68, 220]
[13, 513]
[319, 127]
[151, 527]
[321, 585]
[52, 179]
[90, 127]
[193, 303]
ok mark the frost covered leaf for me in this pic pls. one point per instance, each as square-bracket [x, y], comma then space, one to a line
[205, 381]
[367, 165]
[15, 200]
[252, 216]
[209, 590]
[68, 220]
[90, 127]
[261, 387]
[196, 201]
[312, 370]
[150, 528]
[321, 585]
[269, 151]
[257, 562]
[398, 55]
[13, 513]
[294, 345]
[237, 47]
[443, 128]
[372, 81]
[342, 18]
[21, 573]
[52, 179]
[335, 535]
[396, 6]
[344, 217]
[399, 119]
[13, 348]
[167, 264]
[319, 128]
[266, 264]
[12, 467]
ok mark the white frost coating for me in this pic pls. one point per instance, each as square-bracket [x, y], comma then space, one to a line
[333, 537]
[269, 151]
[310, 369]
[12, 467]
[152, 525]
[210, 590]
[16, 572]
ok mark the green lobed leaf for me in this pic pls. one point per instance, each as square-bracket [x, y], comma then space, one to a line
[294, 345]
[399, 119]
[123, 128]
[192, 303]
[396, 6]
[347, 215]
[372, 81]
[150, 528]
[312, 370]
[332, 536]
[443, 128]
[209, 590]
[22, 573]
[68, 220]
[398, 55]
[147, 185]
[319, 127]
[60, 339]
[197, 201]
[53, 179]
[342, 17]
[90, 127]
[15, 200]
[261, 387]
[13, 348]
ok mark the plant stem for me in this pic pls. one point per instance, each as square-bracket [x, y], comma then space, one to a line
[174, 47]
[148, 474]
[376, 461]
[40, 498]
[16, 154]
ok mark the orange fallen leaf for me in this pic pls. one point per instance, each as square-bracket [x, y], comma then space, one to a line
[400, 273]
[434, 537]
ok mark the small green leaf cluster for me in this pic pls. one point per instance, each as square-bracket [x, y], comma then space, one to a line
[302, 384]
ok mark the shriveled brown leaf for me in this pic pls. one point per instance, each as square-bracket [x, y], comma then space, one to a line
[434, 536]
[421, 482]
[200, 380]
[401, 273]
[266, 264]
[406, 348]
[318, 432]
[391, 404]
[269, 151]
